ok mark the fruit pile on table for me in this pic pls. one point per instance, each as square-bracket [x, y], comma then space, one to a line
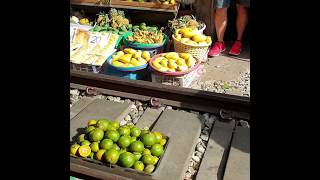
[127, 146]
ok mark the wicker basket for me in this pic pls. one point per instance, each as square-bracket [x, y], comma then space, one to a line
[200, 52]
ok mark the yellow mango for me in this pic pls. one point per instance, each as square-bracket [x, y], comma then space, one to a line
[181, 62]
[198, 38]
[125, 58]
[171, 55]
[145, 55]
[143, 61]
[129, 51]
[117, 63]
[135, 62]
[137, 54]
[182, 68]
[164, 63]
[191, 62]
[172, 64]
[115, 57]
[185, 55]
[158, 59]
[120, 53]
[188, 34]
[156, 65]
[171, 70]
[208, 40]
[184, 30]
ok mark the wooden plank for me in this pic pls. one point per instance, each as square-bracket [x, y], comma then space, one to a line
[99, 108]
[238, 164]
[214, 159]
[79, 106]
[144, 4]
[183, 130]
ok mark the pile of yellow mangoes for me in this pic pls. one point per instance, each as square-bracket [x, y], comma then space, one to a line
[130, 58]
[192, 37]
[174, 62]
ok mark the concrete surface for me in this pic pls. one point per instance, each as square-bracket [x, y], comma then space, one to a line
[213, 162]
[79, 106]
[226, 67]
[238, 164]
[149, 116]
[183, 130]
[98, 109]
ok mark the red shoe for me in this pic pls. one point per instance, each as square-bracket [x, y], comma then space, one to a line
[236, 48]
[216, 49]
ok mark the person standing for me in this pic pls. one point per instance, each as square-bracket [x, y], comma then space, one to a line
[220, 21]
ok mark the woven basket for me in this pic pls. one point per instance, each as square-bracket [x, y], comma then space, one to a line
[199, 52]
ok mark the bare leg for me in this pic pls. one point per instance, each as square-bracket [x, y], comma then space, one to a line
[220, 22]
[242, 20]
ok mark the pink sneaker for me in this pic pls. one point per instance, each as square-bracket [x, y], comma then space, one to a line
[216, 49]
[236, 48]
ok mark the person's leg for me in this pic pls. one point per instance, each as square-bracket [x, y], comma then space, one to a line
[220, 21]
[242, 21]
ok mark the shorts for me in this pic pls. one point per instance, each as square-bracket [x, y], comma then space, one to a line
[226, 3]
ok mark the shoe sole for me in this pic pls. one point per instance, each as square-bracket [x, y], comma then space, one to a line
[234, 54]
[217, 54]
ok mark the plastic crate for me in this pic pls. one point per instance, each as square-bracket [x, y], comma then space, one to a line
[181, 81]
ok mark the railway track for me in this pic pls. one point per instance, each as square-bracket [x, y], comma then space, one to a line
[209, 133]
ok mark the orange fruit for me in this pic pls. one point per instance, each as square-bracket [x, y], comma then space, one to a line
[147, 159]
[103, 124]
[137, 146]
[113, 135]
[94, 147]
[100, 153]
[112, 156]
[96, 135]
[85, 142]
[92, 122]
[106, 144]
[135, 132]
[74, 148]
[149, 168]
[127, 159]
[84, 151]
[158, 136]
[148, 139]
[138, 165]
[124, 131]
[124, 141]
[157, 150]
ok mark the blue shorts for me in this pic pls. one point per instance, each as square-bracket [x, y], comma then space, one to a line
[226, 3]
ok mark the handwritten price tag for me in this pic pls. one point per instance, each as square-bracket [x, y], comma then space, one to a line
[98, 38]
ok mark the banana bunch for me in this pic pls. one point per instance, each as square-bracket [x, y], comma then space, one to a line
[192, 37]
[130, 58]
[146, 37]
[174, 62]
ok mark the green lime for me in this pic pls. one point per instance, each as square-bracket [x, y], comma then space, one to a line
[144, 131]
[157, 150]
[91, 155]
[116, 147]
[74, 148]
[92, 122]
[114, 125]
[137, 146]
[135, 132]
[147, 159]
[81, 138]
[85, 142]
[133, 139]
[112, 156]
[106, 144]
[138, 165]
[124, 131]
[96, 135]
[89, 129]
[148, 139]
[94, 147]
[103, 124]
[113, 135]
[163, 141]
[146, 151]
[158, 136]
[124, 141]
[149, 168]
[155, 160]
[127, 159]
[123, 150]
[137, 155]
[100, 153]
[84, 151]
